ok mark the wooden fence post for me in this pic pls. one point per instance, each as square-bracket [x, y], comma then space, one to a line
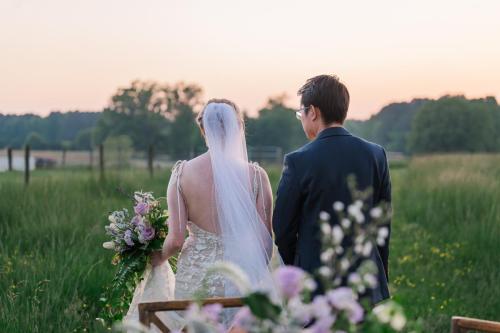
[9, 158]
[91, 158]
[150, 160]
[27, 164]
[64, 157]
[101, 160]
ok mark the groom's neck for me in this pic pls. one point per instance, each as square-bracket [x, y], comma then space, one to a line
[323, 127]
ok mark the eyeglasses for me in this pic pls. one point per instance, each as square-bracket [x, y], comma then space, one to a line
[298, 114]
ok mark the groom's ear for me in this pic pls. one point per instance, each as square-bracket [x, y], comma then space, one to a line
[314, 112]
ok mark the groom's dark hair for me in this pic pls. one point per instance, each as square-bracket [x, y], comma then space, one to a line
[327, 93]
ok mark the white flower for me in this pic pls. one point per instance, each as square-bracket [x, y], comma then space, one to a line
[383, 232]
[327, 255]
[337, 234]
[380, 241]
[358, 248]
[108, 245]
[383, 312]
[360, 217]
[310, 284]
[353, 210]
[367, 249]
[370, 280]
[359, 204]
[346, 223]
[338, 206]
[325, 271]
[324, 216]
[344, 264]
[112, 218]
[354, 279]
[398, 321]
[326, 228]
[376, 212]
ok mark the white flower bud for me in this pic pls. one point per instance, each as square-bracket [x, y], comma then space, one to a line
[398, 321]
[337, 234]
[370, 280]
[367, 249]
[344, 264]
[108, 245]
[376, 212]
[383, 232]
[346, 223]
[326, 228]
[325, 271]
[354, 279]
[324, 216]
[338, 206]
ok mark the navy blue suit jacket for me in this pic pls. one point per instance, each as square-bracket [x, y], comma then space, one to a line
[314, 177]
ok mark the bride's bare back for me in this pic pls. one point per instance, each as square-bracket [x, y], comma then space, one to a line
[197, 190]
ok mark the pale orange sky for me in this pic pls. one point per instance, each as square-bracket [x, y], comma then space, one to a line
[68, 54]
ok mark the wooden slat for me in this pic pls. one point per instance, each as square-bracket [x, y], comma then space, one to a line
[463, 325]
[147, 311]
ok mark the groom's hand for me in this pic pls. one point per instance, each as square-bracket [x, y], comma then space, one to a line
[157, 258]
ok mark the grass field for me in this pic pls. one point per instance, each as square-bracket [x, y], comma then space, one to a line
[445, 250]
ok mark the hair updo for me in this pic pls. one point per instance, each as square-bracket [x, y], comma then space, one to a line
[239, 115]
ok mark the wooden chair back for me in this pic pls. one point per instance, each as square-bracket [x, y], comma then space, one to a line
[147, 311]
[464, 325]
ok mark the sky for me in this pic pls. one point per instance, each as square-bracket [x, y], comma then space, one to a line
[68, 54]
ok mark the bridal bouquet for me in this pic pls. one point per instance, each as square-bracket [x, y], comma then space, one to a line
[133, 237]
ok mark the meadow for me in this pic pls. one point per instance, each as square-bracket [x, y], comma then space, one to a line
[444, 261]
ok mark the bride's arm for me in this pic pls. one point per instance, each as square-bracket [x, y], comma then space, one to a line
[265, 199]
[177, 219]
[265, 208]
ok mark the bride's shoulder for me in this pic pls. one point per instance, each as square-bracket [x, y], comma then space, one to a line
[178, 166]
[258, 170]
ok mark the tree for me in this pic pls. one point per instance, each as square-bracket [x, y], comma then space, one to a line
[153, 114]
[276, 125]
[454, 124]
[36, 141]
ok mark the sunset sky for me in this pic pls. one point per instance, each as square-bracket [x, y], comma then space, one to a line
[68, 54]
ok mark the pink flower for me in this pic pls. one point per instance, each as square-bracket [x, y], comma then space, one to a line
[289, 280]
[243, 317]
[323, 325]
[212, 311]
[343, 299]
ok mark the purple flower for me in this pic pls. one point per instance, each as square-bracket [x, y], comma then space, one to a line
[146, 233]
[141, 208]
[136, 220]
[289, 280]
[343, 299]
[323, 325]
[128, 237]
[212, 311]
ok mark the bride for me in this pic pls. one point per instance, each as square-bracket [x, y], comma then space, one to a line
[225, 205]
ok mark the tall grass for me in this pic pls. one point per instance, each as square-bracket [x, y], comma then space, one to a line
[445, 256]
[444, 251]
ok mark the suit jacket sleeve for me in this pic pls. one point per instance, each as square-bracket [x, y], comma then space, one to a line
[385, 197]
[286, 213]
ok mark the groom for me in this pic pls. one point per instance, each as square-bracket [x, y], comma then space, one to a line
[315, 176]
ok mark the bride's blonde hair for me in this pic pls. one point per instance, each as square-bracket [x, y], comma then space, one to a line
[199, 118]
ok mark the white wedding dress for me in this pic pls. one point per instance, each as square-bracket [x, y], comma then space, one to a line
[241, 233]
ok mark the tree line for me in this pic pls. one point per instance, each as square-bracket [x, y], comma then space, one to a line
[151, 113]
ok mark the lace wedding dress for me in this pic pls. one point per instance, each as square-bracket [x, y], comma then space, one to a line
[200, 251]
